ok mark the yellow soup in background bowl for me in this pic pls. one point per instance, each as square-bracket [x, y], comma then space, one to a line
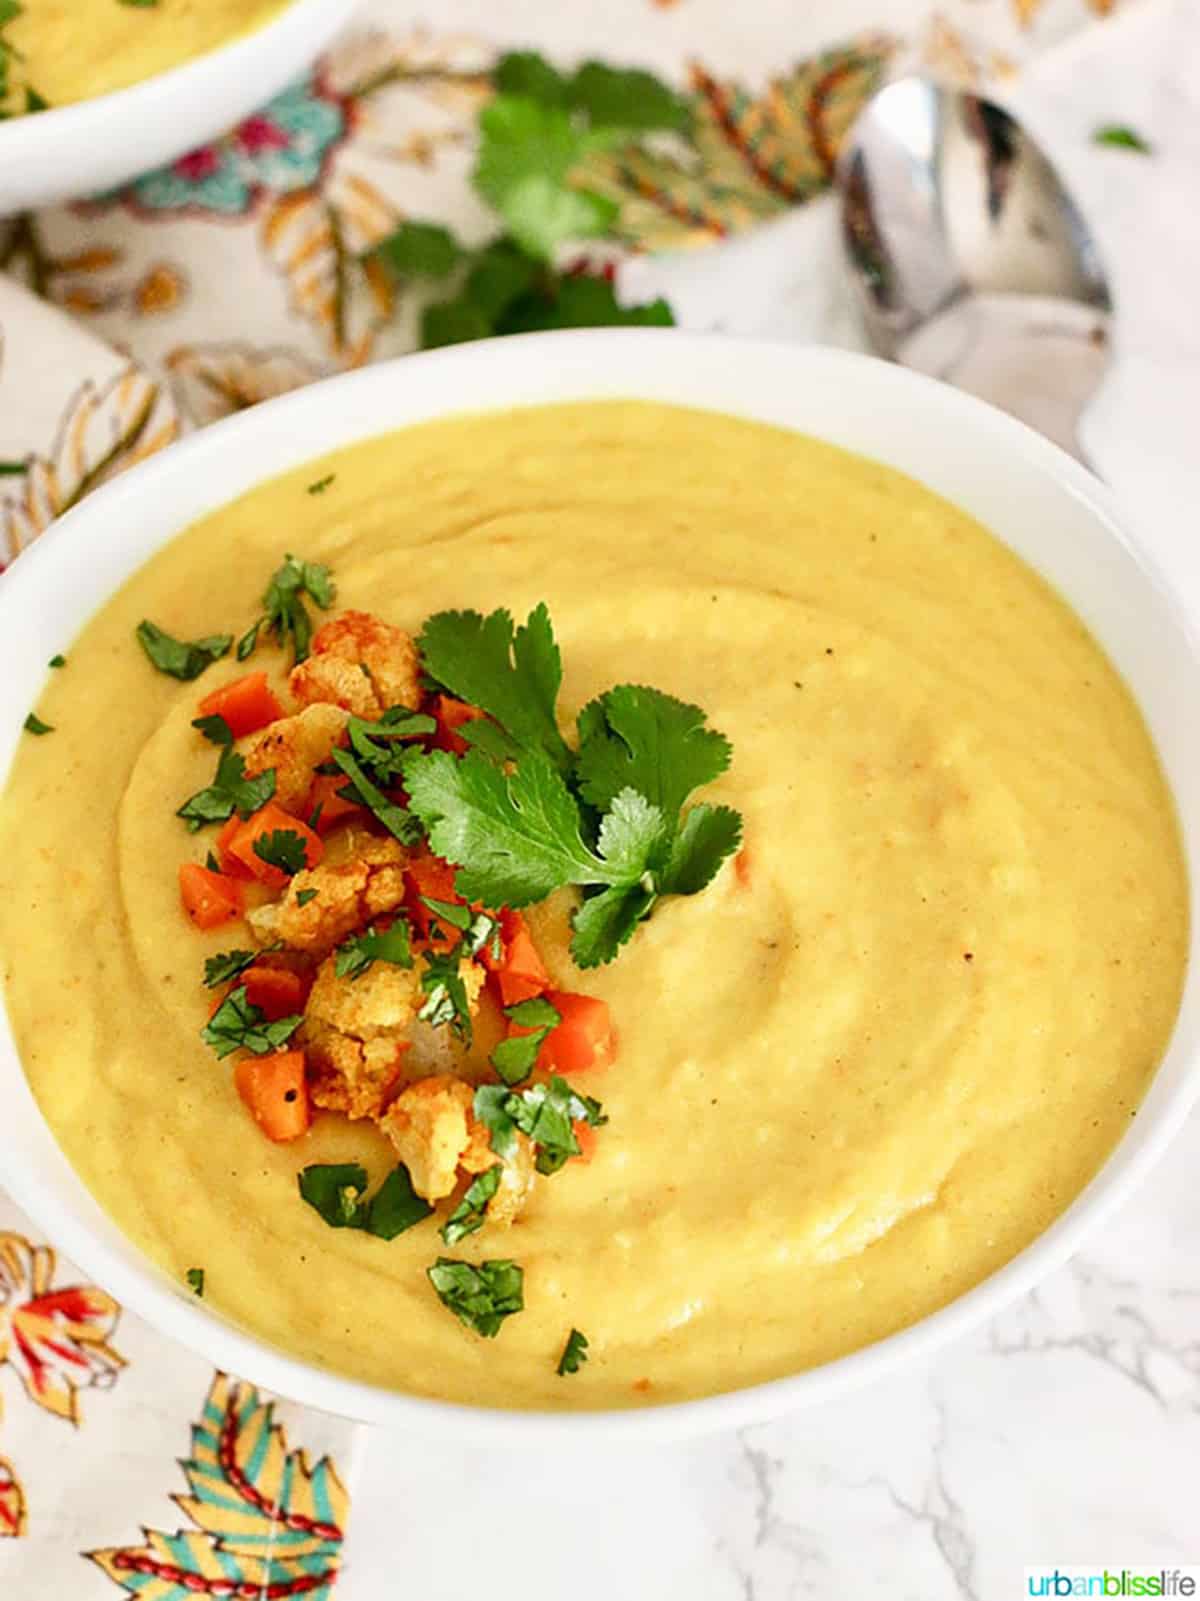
[872, 1063]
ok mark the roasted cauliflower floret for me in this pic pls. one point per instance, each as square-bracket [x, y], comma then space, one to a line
[361, 664]
[295, 747]
[323, 905]
[430, 1124]
[354, 1029]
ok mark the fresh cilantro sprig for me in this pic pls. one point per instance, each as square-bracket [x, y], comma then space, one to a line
[543, 1112]
[508, 812]
[237, 1025]
[574, 1354]
[471, 1211]
[337, 1191]
[374, 945]
[282, 848]
[481, 1296]
[178, 658]
[215, 729]
[230, 791]
[515, 1058]
[285, 613]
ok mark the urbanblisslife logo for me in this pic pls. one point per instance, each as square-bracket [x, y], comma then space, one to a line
[1091, 1581]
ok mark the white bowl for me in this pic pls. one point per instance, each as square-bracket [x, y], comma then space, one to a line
[1028, 492]
[86, 148]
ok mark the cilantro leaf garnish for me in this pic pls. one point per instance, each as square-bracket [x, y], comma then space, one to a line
[215, 729]
[516, 836]
[398, 822]
[33, 724]
[282, 848]
[337, 1192]
[224, 967]
[480, 1296]
[543, 1112]
[638, 738]
[514, 677]
[58, 661]
[303, 896]
[374, 945]
[284, 611]
[470, 1212]
[176, 657]
[195, 1279]
[445, 993]
[236, 1025]
[516, 1057]
[230, 791]
[419, 250]
[574, 1354]
[321, 484]
[1117, 136]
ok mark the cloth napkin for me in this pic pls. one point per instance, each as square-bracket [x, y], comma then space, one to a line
[234, 275]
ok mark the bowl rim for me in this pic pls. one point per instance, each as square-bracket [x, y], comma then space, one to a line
[144, 1289]
[20, 137]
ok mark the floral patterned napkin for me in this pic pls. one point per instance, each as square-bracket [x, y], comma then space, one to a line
[234, 275]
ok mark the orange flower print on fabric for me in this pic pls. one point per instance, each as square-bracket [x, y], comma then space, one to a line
[268, 1524]
[56, 1341]
[12, 1503]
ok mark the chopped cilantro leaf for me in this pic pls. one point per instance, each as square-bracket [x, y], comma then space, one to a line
[469, 1214]
[543, 1112]
[337, 1192]
[449, 912]
[445, 994]
[574, 1354]
[236, 1025]
[322, 484]
[515, 1058]
[377, 746]
[491, 1108]
[215, 729]
[282, 848]
[395, 1206]
[638, 738]
[211, 862]
[284, 611]
[176, 657]
[224, 967]
[535, 1013]
[34, 725]
[480, 1296]
[195, 1278]
[229, 791]
[374, 945]
[1119, 137]
[513, 676]
[303, 896]
[11, 469]
[398, 822]
[58, 661]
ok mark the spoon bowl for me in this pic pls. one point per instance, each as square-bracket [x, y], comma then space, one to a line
[972, 262]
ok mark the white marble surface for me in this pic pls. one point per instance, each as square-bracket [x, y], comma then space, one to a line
[1065, 1431]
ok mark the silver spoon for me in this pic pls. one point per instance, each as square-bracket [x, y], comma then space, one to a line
[972, 261]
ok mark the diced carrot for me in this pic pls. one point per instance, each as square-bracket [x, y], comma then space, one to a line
[209, 898]
[584, 1037]
[275, 1093]
[428, 875]
[247, 704]
[585, 1138]
[230, 865]
[275, 990]
[520, 973]
[333, 809]
[451, 714]
[271, 819]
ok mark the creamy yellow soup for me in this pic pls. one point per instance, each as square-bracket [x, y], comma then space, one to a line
[853, 1078]
[71, 50]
